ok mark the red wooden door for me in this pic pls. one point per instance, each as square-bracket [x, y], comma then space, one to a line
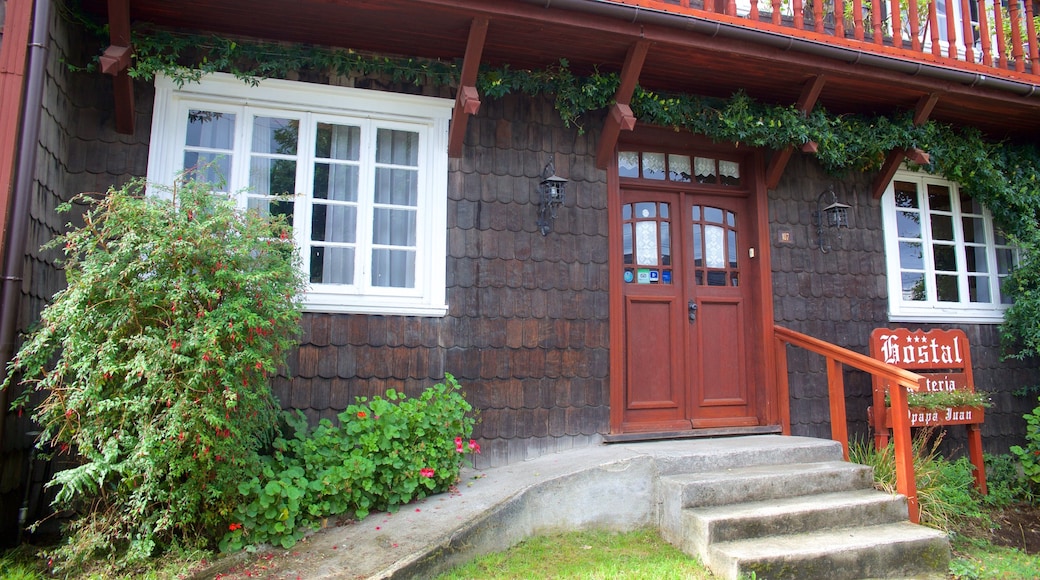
[686, 309]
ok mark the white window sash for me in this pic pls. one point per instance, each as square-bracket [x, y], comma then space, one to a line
[311, 104]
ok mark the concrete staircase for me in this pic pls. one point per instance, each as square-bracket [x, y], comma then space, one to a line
[797, 515]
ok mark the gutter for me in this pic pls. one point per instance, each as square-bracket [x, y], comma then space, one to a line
[642, 15]
[24, 178]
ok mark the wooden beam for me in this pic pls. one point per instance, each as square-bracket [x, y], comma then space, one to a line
[806, 101]
[115, 62]
[621, 117]
[467, 101]
[895, 158]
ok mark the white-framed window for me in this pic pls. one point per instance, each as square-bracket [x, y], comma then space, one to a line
[367, 172]
[945, 258]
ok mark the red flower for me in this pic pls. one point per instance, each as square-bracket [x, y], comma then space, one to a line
[234, 527]
[426, 472]
[474, 446]
[174, 344]
[361, 415]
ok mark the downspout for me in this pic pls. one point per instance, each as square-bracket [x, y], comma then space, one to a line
[644, 15]
[25, 176]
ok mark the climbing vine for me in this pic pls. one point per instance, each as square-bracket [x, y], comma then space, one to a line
[1004, 177]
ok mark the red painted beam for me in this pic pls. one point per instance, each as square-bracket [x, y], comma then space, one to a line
[467, 101]
[621, 117]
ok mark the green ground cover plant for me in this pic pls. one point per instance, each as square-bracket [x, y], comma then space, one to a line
[385, 452]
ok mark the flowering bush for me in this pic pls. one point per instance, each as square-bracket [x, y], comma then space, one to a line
[152, 365]
[384, 453]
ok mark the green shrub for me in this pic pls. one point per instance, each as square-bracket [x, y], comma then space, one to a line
[1030, 454]
[384, 453]
[945, 489]
[153, 366]
[1004, 482]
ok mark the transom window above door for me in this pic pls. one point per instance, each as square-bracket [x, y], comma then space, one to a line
[360, 175]
[659, 166]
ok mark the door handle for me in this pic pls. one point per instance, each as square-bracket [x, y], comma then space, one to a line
[693, 311]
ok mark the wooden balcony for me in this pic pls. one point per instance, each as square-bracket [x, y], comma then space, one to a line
[871, 60]
[976, 35]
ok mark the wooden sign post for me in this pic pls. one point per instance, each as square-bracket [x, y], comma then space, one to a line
[943, 357]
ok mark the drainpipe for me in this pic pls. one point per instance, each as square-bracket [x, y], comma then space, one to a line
[644, 15]
[25, 175]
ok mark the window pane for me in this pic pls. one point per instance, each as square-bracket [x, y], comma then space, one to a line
[646, 210]
[911, 256]
[906, 195]
[1005, 261]
[271, 207]
[393, 227]
[942, 227]
[713, 215]
[646, 243]
[332, 265]
[732, 243]
[939, 198]
[730, 172]
[397, 147]
[272, 176]
[698, 251]
[335, 182]
[704, 170]
[666, 245]
[626, 236]
[679, 168]
[212, 168]
[628, 164]
[974, 230]
[271, 135]
[976, 257]
[908, 224]
[338, 142]
[210, 130]
[945, 258]
[946, 288]
[397, 186]
[653, 165]
[393, 268]
[334, 223]
[714, 248]
[978, 289]
[913, 286]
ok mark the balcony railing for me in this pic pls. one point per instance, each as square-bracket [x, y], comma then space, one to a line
[971, 34]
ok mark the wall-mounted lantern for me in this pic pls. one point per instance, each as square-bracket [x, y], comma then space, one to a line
[552, 191]
[829, 213]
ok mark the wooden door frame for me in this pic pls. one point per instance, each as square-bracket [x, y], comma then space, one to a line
[772, 409]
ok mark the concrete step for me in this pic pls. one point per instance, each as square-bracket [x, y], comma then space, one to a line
[764, 482]
[709, 525]
[896, 550]
[701, 455]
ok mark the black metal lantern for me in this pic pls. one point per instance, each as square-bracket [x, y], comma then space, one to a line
[834, 215]
[552, 191]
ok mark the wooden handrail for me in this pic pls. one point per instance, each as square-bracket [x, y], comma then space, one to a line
[886, 26]
[897, 380]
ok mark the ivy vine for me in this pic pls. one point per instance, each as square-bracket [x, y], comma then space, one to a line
[1003, 176]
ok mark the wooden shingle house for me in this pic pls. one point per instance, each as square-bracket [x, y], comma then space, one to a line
[421, 136]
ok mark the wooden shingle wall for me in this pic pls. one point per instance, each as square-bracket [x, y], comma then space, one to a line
[842, 296]
[526, 332]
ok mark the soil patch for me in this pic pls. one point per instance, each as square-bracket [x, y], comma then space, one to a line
[1017, 526]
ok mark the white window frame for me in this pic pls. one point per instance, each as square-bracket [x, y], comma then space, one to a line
[931, 309]
[312, 103]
